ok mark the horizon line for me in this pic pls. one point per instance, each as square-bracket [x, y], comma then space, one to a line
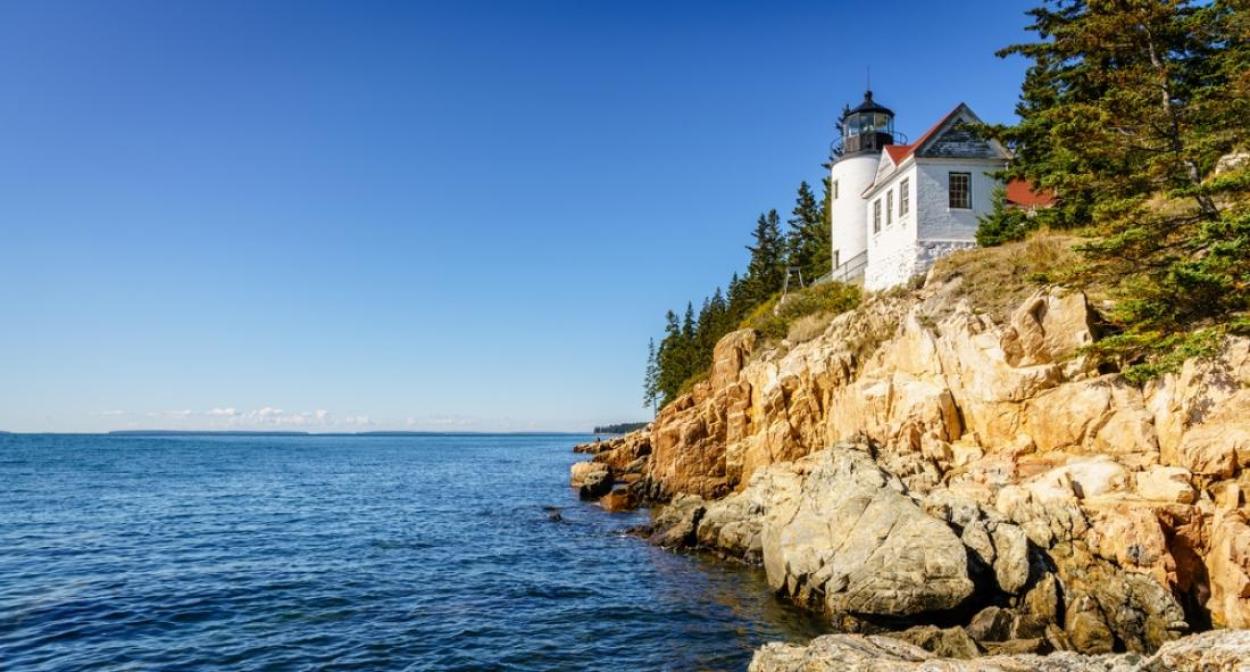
[279, 432]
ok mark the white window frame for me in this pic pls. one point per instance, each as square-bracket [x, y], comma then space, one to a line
[904, 197]
[889, 207]
[876, 216]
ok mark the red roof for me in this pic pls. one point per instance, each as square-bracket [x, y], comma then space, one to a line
[899, 153]
[1020, 192]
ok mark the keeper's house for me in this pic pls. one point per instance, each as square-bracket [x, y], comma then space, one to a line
[898, 207]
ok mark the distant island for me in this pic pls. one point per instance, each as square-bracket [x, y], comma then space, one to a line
[620, 428]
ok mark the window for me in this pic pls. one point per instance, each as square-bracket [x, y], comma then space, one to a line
[961, 190]
[904, 197]
[876, 216]
[835, 190]
[889, 207]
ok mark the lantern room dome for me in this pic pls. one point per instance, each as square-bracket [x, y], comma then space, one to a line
[869, 105]
[867, 127]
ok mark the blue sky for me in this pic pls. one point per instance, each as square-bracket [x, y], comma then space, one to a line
[445, 216]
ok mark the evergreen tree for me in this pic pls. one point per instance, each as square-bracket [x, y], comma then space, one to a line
[688, 361]
[650, 379]
[767, 268]
[689, 342]
[1125, 111]
[1110, 107]
[823, 261]
[719, 321]
[704, 333]
[808, 242]
[737, 301]
[712, 323]
[669, 359]
[1003, 223]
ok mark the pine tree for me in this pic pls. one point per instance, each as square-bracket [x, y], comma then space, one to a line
[704, 336]
[1003, 223]
[767, 268]
[1125, 112]
[822, 261]
[808, 242]
[689, 358]
[718, 320]
[1108, 107]
[736, 301]
[669, 359]
[651, 378]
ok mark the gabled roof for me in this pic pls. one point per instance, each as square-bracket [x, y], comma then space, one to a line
[897, 154]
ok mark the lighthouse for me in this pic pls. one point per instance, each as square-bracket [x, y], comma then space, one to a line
[865, 129]
[898, 207]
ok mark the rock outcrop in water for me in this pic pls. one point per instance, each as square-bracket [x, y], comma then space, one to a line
[922, 465]
[614, 475]
[838, 534]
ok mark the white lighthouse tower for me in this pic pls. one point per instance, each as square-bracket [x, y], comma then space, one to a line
[865, 129]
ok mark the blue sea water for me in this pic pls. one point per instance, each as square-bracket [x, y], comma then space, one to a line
[430, 552]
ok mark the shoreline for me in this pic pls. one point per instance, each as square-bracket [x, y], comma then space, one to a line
[908, 473]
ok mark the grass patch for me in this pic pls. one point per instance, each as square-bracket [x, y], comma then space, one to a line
[998, 279]
[808, 327]
[774, 318]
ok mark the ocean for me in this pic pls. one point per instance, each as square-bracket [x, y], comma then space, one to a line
[415, 552]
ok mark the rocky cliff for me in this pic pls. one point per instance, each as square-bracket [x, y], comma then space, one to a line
[921, 465]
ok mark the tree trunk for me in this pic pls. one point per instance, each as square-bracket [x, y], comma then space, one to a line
[1175, 142]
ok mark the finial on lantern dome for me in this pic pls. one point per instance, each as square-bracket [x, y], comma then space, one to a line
[866, 127]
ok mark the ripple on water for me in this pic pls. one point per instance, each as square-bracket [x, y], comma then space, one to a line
[347, 553]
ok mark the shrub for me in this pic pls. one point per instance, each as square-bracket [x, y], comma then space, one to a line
[774, 317]
[1004, 223]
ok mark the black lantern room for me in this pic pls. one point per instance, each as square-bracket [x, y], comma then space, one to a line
[867, 127]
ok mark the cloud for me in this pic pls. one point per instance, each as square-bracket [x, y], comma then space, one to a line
[270, 415]
[231, 417]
